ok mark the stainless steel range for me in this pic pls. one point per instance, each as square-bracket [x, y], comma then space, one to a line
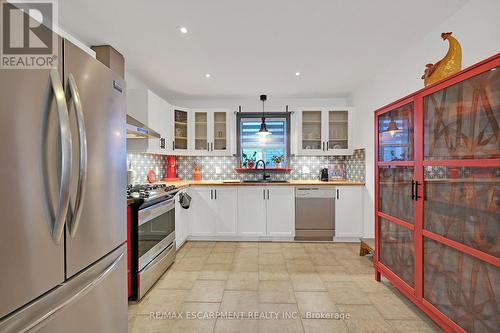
[152, 235]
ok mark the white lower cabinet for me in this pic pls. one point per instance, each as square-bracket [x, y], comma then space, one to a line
[266, 212]
[203, 216]
[260, 213]
[348, 213]
[225, 207]
[281, 212]
[214, 212]
[251, 211]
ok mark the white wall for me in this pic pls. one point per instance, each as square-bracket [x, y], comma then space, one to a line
[133, 82]
[477, 29]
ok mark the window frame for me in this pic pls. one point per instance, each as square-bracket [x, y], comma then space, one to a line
[258, 115]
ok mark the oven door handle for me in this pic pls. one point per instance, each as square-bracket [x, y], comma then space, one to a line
[154, 211]
[157, 258]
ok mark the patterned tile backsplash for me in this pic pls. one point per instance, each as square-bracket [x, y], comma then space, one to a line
[351, 167]
[142, 163]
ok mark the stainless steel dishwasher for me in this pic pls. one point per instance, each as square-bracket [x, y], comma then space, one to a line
[314, 213]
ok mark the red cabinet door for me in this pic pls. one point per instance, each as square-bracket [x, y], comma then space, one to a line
[129, 253]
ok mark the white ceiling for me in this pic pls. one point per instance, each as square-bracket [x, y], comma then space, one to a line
[255, 46]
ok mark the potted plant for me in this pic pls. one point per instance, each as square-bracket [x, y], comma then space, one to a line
[278, 160]
[249, 162]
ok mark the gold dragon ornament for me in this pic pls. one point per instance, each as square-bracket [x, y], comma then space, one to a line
[450, 64]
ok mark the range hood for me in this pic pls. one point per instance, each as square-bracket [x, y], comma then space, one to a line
[137, 130]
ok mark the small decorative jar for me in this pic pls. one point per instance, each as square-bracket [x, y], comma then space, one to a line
[197, 172]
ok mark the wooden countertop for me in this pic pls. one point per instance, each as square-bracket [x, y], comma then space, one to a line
[231, 182]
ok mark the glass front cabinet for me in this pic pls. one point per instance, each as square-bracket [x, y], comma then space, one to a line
[181, 130]
[323, 131]
[210, 132]
[437, 212]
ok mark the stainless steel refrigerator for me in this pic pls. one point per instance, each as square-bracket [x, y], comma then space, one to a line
[62, 197]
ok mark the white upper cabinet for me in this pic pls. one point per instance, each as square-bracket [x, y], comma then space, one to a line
[200, 141]
[339, 132]
[211, 132]
[311, 132]
[201, 132]
[324, 131]
[181, 131]
[154, 112]
[221, 131]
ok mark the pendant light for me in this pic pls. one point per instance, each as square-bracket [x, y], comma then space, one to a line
[263, 128]
[392, 128]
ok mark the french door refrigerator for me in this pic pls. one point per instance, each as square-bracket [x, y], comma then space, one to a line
[62, 197]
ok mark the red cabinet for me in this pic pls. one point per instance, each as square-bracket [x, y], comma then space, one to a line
[129, 253]
[437, 213]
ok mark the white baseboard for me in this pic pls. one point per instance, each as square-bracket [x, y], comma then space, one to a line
[236, 238]
[346, 239]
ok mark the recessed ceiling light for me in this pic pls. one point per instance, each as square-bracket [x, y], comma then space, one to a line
[184, 30]
[297, 73]
[208, 75]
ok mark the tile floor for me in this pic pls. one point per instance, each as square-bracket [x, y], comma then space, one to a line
[283, 281]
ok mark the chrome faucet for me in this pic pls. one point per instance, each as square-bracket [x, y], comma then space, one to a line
[264, 176]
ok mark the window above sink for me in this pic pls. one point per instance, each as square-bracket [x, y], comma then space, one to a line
[253, 147]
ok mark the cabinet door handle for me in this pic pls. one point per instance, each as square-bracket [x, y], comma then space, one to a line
[416, 191]
[338, 194]
[173, 145]
[264, 194]
[208, 146]
[211, 194]
[215, 194]
[328, 145]
[323, 146]
[212, 146]
[412, 189]
[268, 195]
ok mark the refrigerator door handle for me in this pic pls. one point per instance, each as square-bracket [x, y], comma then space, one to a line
[76, 210]
[57, 93]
